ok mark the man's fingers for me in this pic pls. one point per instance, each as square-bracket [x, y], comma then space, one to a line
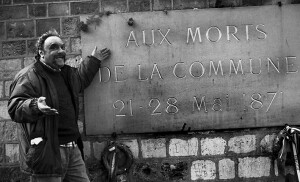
[95, 49]
[50, 111]
[104, 50]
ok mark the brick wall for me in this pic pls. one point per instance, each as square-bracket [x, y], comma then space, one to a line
[237, 155]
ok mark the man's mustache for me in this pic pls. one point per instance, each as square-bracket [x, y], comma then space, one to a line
[61, 55]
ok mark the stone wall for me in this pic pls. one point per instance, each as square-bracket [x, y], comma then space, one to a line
[235, 155]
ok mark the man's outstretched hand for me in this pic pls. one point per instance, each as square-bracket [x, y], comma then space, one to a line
[41, 102]
[102, 54]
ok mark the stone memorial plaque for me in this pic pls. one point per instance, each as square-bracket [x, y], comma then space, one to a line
[199, 69]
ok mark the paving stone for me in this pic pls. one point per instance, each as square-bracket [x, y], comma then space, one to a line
[226, 169]
[180, 147]
[153, 148]
[250, 167]
[242, 144]
[266, 144]
[213, 146]
[203, 169]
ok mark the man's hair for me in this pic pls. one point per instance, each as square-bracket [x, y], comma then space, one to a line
[40, 43]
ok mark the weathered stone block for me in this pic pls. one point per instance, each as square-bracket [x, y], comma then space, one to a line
[10, 64]
[277, 2]
[22, 1]
[13, 48]
[1, 89]
[28, 60]
[2, 31]
[276, 168]
[190, 4]
[226, 169]
[74, 62]
[75, 45]
[7, 2]
[7, 75]
[12, 153]
[70, 26]
[174, 172]
[153, 148]
[98, 149]
[87, 149]
[213, 146]
[84, 7]
[162, 5]
[13, 12]
[3, 110]
[31, 49]
[203, 169]
[20, 29]
[49, 0]
[80, 126]
[37, 10]
[58, 9]
[6, 88]
[145, 171]
[295, 1]
[114, 6]
[139, 5]
[133, 147]
[242, 144]
[1, 154]
[81, 108]
[266, 144]
[43, 25]
[252, 2]
[67, 44]
[232, 3]
[13, 173]
[179, 147]
[249, 167]
[8, 131]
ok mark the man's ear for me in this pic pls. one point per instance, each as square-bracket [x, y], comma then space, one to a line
[41, 53]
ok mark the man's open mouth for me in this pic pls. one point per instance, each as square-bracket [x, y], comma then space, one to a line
[61, 58]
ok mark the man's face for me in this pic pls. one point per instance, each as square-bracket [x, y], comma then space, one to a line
[54, 53]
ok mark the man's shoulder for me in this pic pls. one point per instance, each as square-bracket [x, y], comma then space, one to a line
[26, 70]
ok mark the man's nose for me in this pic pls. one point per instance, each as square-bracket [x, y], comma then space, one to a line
[61, 50]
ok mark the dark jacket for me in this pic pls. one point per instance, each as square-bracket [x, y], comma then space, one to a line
[29, 84]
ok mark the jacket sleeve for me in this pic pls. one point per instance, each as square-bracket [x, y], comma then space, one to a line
[22, 103]
[86, 71]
